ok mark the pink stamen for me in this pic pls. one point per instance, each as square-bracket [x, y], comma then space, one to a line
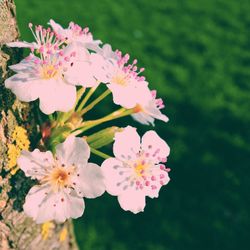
[153, 93]
[163, 160]
[66, 59]
[162, 167]
[162, 176]
[37, 61]
[153, 178]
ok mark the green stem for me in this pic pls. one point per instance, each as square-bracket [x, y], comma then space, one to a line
[51, 118]
[86, 98]
[97, 100]
[65, 116]
[80, 92]
[99, 153]
[115, 115]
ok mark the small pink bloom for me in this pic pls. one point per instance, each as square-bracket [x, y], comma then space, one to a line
[123, 79]
[63, 181]
[51, 78]
[82, 38]
[150, 111]
[51, 70]
[136, 170]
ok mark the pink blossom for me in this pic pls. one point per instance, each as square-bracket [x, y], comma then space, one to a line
[123, 79]
[51, 72]
[63, 181]
[148, 113]
[137, 170]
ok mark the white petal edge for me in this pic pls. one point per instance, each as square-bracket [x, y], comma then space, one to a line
[34, 163]
[89, 181]
[111, 168]
[157, 148]
[133, 201]
[127, 143]
[73, 151]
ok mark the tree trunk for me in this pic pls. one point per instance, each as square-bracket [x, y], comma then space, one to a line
[17, 231]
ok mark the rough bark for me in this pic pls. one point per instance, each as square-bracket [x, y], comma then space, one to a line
[16, 230]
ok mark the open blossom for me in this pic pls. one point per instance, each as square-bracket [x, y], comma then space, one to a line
[63, 181]
[50, 73]
[123, 79]
[137, 170]
[75, 34]
[151, 111]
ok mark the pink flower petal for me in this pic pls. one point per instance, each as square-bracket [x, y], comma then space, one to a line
[115, 176]
[56, 95]
[127, 144]
[133, 201]
[88, 181]
[73, 151]
[35, 163]
[155, 148]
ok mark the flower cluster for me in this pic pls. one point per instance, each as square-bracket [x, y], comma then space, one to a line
[64, 68]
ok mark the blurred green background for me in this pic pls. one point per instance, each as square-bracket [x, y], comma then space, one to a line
[197, 55]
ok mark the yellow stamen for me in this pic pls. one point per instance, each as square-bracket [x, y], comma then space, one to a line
[59, 177]
[140, 168]
[49, 71]
[120, 80]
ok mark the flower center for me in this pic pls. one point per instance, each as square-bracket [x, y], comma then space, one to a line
[49, 71]
[59, 177]
[120, 80]
[140, 168]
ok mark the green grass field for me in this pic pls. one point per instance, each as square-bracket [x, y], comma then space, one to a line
[197, 55]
